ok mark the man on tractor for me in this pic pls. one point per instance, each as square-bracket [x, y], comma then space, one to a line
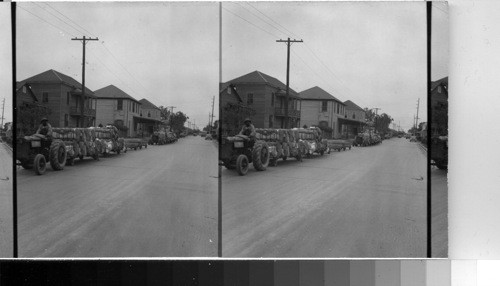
[248, 130]
[45, 128]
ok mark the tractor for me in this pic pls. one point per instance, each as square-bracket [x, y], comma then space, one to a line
[34, 151]
[239, 151]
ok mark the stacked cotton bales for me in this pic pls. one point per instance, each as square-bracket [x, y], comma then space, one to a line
[107, 140]
[79, 142]
[284, 142]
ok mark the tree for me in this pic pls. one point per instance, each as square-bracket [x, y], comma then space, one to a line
[382, 122]
[177, 121]
[164, 112]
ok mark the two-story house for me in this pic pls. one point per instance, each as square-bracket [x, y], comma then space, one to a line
[150, 118]
[439, 107]
[63, 96]
[232, 109]
[116, 107]
[354, 119]
[320, 108]
[267, 96]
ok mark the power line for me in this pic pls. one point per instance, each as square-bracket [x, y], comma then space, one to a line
[116, 60]
[86, 31]
[71, 26]
[260, 18]
[272, 35]
[291, 33]
[58, 28]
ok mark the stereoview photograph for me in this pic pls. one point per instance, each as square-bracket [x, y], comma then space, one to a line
[115, 117]
[323, 129]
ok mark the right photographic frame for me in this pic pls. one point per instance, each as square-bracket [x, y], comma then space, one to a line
[332, 143]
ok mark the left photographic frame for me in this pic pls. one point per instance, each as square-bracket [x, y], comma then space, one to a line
[110, 100]
[6, 155]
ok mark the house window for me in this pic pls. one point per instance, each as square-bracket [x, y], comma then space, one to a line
[45, 97]
[66, 120]
[67, 98]
[338, 108]
[149, 114]
[353, 116]
[439, 89]
[272, 99]
[24, 89]
[250, 98]
[324, 106]
[271, 121]
[120, 104]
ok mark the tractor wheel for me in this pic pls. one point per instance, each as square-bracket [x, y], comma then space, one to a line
[260, 156]
[39, 164]
[242, 165]
[57, 155]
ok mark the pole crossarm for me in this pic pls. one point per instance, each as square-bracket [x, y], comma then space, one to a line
[288, 44]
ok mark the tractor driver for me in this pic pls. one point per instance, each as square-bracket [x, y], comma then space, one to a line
[44, 128]
[248, 129]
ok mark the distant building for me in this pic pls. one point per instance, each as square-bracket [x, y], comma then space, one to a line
[439, 107]
[29, 111]
[266, 95]
[150, 117]
[232, 110]
[62, 95]
[354, 119]
[116, 107]
[320, 108]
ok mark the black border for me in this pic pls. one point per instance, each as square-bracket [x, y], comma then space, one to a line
[429, 192]
[14, 123]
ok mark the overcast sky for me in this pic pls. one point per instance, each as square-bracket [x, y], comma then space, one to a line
[5, 60]
[371, 53]
[167, 53]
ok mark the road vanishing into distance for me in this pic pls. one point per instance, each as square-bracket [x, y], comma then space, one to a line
[6, 203]
[363, 202]
[154, 202]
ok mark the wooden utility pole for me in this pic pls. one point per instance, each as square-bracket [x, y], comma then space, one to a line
[3, 109]
[418, 103]
[82, 108]
[212, 119]
[288, 44]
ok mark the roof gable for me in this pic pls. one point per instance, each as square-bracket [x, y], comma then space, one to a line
[52, 76]
[147, 104]
[257, 77]
[112, 91]
[317, 93]
[438, 82]
[351, 105]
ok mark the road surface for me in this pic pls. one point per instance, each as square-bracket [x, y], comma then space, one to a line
[6, 203]
[159, 201]
[364, 202]
[439, 212]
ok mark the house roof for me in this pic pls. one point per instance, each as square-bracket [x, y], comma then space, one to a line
[317, 93]
[112, 91]
[225, 86]
[351, 105]
[19, 85]
[147, 104]
[258, 77]
[438, 82]
[52, 76]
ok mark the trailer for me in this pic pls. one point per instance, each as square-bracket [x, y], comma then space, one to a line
[338, 145]
[134, 143]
